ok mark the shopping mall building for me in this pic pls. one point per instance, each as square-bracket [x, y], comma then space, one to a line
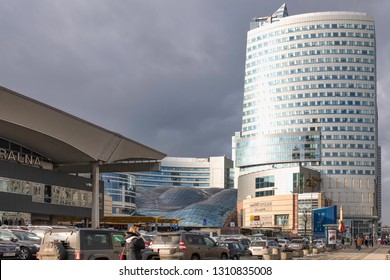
[51, 161]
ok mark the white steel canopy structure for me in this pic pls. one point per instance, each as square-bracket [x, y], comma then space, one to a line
[73, 145]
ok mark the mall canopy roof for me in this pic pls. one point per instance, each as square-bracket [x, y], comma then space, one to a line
[68, 141]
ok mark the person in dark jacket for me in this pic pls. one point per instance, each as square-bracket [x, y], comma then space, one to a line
[134, 244]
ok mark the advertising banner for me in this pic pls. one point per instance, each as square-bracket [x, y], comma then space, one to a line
[332, 236]
[321, 217]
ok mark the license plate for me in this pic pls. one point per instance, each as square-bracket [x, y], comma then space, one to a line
[165, 251]
[8, 254]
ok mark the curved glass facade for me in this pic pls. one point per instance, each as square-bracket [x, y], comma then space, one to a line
[197, 206]
[313, 76]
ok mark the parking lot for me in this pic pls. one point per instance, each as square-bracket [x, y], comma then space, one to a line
[107, 244]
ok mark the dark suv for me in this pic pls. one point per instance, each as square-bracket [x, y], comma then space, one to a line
[182, 245]
[81, 244]
[236, 250]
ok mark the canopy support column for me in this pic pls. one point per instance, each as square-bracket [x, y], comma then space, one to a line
[95, 223]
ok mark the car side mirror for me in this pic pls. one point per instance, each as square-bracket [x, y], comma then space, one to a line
[14, 239]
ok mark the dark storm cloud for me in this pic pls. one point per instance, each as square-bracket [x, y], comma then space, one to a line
[169, 74]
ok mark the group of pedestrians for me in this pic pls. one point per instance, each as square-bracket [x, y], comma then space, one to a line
[385, 241]
[363, 241]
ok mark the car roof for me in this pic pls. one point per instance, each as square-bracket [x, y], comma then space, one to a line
[177, 232]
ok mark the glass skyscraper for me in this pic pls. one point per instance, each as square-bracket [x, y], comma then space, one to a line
[310, 100]
[121, 188]
[212, 172]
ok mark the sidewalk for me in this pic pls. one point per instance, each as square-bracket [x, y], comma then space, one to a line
[371, 253]
[378, 253]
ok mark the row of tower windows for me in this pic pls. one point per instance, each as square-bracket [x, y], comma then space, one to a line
[301, 78]
[332, 120]
[331, 68]
[349, 172]
[309, 49]
[348, 154]
[315, 95]
[325, 137]
[265, 61]
[314, 112]
[365, 146]
[314, 86]
[314, 27]
[352, 197]
[306, 36]
[348, 163]
[321, 103]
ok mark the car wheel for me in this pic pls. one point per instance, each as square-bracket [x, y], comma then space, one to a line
[236, 257]
[25, 253]
[224, 257]
[195, 257]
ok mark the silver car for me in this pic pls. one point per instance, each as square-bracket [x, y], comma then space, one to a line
[299, 244]
[284, 243]
[261, 247]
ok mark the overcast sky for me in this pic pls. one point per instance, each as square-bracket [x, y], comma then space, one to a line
[168, 74]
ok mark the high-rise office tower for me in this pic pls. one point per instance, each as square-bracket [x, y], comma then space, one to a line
[310, 100]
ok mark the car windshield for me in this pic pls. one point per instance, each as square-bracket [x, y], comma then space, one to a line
[26, 235]
[167, 239]
[148, 238]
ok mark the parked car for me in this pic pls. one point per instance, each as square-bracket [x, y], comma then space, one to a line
[243, 240]
[182, 245]
[299, 244]
[261, 247]
[236, 250]
[284, 243]
[147, 239]
[24, 235]
[81, 244]
[212, 234]
[319, 243]
[9, 251]
[258, 236]
[28, 248]
[40, 230]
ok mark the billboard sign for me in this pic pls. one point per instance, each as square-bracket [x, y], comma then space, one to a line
[321, 217]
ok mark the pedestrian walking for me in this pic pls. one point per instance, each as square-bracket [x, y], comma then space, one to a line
[359, 243]
[134, 244]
